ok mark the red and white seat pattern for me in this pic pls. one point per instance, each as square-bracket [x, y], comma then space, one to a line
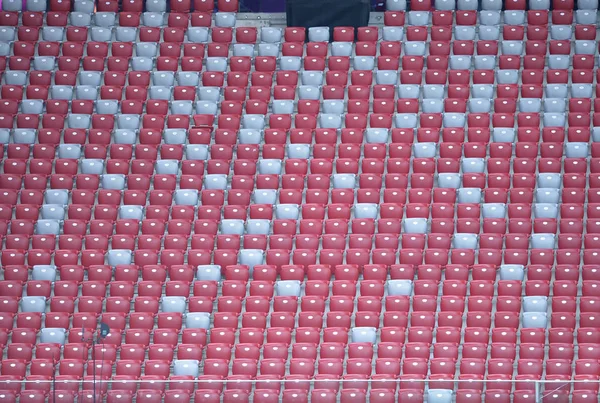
[256, 216]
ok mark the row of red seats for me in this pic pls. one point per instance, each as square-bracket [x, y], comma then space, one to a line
[138, 6]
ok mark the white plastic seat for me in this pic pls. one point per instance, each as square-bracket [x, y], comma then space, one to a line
[595, 134]
[156, 6]
[52, 212]
[288, 288]
[54, 335]
[56, 196]
[113, 181]
[173, 304]
[33, 304]
[514, 48]
[459, 62]
[207, 107]
[545, 210]
[542, 241]
[441, 395]
[264, 196]
[408, 91]
[586, 17]
[464, 32]
[480, 105]
[366, 210]
[395, 34]
[489, 33]
[78, 19]
[547, 195]
[309, 92]
[399, 287]
[7, 34]
[104, 19]
[15, 77]
[268, 49]
[243, 49]
[125, 34]
[386, 77]
[292, 63]
[493, 210]
[364, 63]
[286, 106]
[449, 180]
[330, 121]
[405, 120]
[376, 135]
[5, 136]
[163, 78]
[32, 106]
[251, 257]
[395, 5]
[167, 167]
[467, 4]
[253, 121]
[585, 47]
[70, 151]
[539, 4]
[38, 5]
[269, 166]
[453, 119]
[47, 227]
[534, 320]
[119, 256]
[125, 136]
[554, 119]
[258, 227]
[186, 197]
[432, 105]
[465, 241]
[470, 165]
[424, 150]
[90, 78]
[418, 18]
[530, 105]
[270, 34]
[414, 48]
[301, 151]
[485, 91]
[343, 181]
[587, 4]
[197, 320]
[198, 34]
[64, 92]
[209, 94]
[491, 4]
[175, 136]
[414, 225]
[363, 335]
[182, 107]
[549, 180]
[330, 106]
[512, 272]
[342, 49]
[131, 212]
[469, 195]
[313, 78]
[535, 304]
[43, 272]
[89, 92]
[318, 34]
[503, 135]
[152, 19]
[92, 166]
[555, 105]
[101, 34]
[210, 272]
[561, 32]
[577, 150]
[287, 211]
[249, 136]
[186, 368]
[142, 63]
[582, 90]
[160, 92]
[216, 64]
[24, 136]
[53, 34]
[507, 76]
[189, 78]
[78, 121]
[434, 91]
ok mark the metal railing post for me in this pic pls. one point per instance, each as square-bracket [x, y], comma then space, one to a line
[538, 396]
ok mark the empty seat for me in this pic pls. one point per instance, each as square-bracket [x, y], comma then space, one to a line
[318, 34]
[465, 241]
[469, 195]
[399, 287]
[53, 335]
[209, 272]
[545, 210]
[186, 367]
[43, 273]
[119, 257]
[288, 288]
[534, 320]
[363, 335]
[33, 304]
[493, 210]
[52, 211]
[197, 320]
[173, 304]
[441, 395]
[512, 272]
[535, 304]
[47, 227]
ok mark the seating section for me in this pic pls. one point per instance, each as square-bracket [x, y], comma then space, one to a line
[410, 212]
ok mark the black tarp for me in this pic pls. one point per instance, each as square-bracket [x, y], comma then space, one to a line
[327, 13]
